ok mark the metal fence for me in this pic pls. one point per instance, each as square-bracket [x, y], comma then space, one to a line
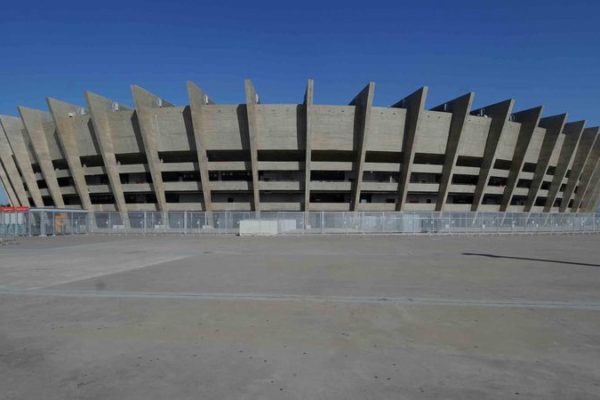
[43, 222]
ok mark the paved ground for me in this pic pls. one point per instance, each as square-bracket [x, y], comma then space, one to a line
[330, 317]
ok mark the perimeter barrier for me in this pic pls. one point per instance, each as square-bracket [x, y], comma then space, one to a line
[45, 222]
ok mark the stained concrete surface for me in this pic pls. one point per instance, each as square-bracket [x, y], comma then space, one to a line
[354, 317]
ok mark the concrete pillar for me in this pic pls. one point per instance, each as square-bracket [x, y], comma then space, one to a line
[12, 173]
[100, 110]
[364, 104]
[586, 175]
[63, 115]
[308, 106]
[251, 104]
[584, 149]
[573, 131]
[459, 108]
[589, 196]
[8, 189]
[146, 106]
[19, 141]
[499, 114]
[554, 126]
[414, 105]
[36, 122]
[529, 120]
[198, 99]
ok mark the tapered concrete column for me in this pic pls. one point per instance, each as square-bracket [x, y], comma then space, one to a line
[586, 175]
[8, 189]
[63, 115]
[589, 198]
[308, 106]
[251, 102]
[34, 121]
[100, 110]
[14, 130]
[12, 174]
[554, 126]
[573, 131]
[364, 104]
[459, 108]
[414, 105]
[499, 114]
[595, 199]
[146, 105]
[198, 99]
[584, 149]
[529, 120]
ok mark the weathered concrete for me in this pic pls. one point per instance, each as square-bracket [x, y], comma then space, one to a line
[529, 120]
[7, 186]
[499, 114]
[364, 104]
[308, 105]
[459, 108]
[573, 131]
[300, 317]
[13, 128]
[414, 105]
[554, 126]
[145, 105]
[251, 101]
[584, 149]
[63, 114]
[273, 157]
[100, 108]
[13, 181]
[198, 99]
[587, 175]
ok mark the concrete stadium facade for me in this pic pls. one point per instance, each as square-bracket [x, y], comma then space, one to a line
[297, 157]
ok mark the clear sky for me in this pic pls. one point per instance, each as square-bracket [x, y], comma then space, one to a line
[537, 52]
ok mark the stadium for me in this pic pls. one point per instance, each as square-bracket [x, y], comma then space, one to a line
[205, 156]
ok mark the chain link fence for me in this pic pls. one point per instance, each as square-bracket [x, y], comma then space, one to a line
[44, 222]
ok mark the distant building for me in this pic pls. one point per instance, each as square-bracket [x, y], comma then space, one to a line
[294, 157]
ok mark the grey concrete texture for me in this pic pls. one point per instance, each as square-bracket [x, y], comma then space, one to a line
[259, 156]
[99, 317]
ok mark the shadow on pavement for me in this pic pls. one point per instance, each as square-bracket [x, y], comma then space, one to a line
[531, 259]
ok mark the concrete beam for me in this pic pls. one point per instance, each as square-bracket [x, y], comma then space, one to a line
[34, 121]
[8, 189]
[63, 114]
[100, 109]
[554, 126]
[584, 149]
[364, 104]
[459, 108]
[19, 141]
[146, 105]
[198, 99]
[414, 105]
[499, 114]
[251, 102]
[586, 175]
[12, 173]
[573, 131]
[529, 120]
[308, 106]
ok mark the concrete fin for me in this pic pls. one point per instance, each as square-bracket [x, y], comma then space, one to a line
[414, 105]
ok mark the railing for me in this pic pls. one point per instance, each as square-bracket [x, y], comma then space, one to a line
[44, 222]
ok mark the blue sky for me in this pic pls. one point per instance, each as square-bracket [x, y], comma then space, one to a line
[537, 52]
